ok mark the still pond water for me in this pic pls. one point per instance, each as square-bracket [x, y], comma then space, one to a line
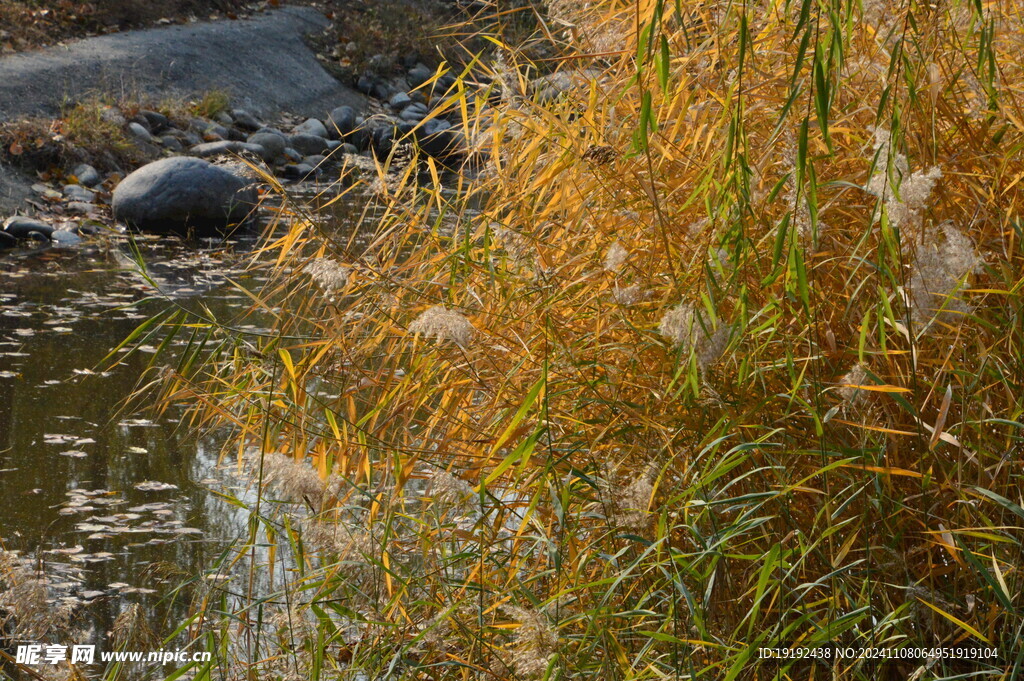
[114, 505]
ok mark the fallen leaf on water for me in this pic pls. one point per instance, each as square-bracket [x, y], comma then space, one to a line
[90, 527]
[155, 506]
[154, 486]
[68, 551]
[71, 510]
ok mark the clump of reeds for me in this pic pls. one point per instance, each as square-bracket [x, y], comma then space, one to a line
[27, 611]
[643, 254]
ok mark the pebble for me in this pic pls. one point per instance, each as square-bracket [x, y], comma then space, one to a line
[86, 175]
[156, 120]
[414, 113]
[80, 207]
[365, 84]
[245, 120]
[62, 237]
[381, 91]
[215, 130]
[310, 126]
[273, 142]
[226, 147]
[420, 74]
[172, 143]
[298, 171]
[75, 192]
[21, 227]
[399, 101]
[341, 122]
[435, 125]
[140, 132]
[308, 144]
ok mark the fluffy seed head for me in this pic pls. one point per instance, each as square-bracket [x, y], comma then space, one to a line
[903, 205]
[850, 391]
[294, 480]
[626, 296]
[329, 275]
[443, 324]
[131, 631]
[937, 275]
[615, 257]
[682, 326]
[629, 503]
[444, 485]
[534, 645]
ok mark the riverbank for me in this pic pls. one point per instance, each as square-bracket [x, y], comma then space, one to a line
[252, 88]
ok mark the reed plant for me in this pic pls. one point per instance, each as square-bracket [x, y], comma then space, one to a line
[717, 348]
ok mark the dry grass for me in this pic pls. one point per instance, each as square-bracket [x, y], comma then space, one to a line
[83, 133]
[93, 131]
[734, 366]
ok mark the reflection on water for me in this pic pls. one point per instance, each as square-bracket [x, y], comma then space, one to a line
[110, 502]
[114, 506]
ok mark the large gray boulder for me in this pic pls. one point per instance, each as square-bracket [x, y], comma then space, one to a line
[184, 195]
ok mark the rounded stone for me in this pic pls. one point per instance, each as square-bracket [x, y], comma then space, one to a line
[87, 175]
[21, 227]
[444, 145]
[245, 120]
[139, 132]
[183, 195]
[65, 238]
[171, 143]
[310, 126]
[156, 120]
[399, 101]
[274, 143]
[308, 144]
[420, 74]
[208, 149]
[341, 122]
[298, 171]
[76, 192]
